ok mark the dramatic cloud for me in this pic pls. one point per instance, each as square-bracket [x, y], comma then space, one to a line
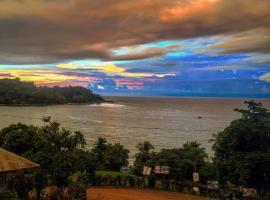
[254, 41]
[111, 70]
[144, 47]
[41, 31]
[48, 77]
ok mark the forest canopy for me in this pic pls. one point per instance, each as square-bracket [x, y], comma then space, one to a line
[16, 92]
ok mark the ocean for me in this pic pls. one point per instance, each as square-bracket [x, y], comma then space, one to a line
[166, 122]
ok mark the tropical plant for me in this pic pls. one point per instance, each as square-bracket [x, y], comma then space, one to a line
[144, 156]
[109, 156]
[242, 150]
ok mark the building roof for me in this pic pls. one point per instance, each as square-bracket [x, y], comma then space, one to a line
[11, 162]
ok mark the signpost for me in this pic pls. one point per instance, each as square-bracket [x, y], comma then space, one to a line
[147, 171]
[212, 185]
[162, 169]
[196, 189]
[249, 192]
[196, 177]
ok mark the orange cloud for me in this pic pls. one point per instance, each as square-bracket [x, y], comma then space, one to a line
[185, 10]
[56, 31]
[48, 77]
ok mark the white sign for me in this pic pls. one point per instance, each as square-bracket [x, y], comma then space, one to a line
[196, 177]
[249, 192]
[196, 189]
[212, 185]
[147, 171]
[162, 169]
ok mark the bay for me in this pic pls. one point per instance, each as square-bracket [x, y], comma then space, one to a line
[166, 122]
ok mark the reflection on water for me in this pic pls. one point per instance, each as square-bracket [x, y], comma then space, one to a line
[108, 105]
[166, 122]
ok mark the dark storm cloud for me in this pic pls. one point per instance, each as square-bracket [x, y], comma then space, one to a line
[39, 31]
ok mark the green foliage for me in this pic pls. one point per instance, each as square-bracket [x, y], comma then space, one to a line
[108, 178]
[19, 138]
[112, 174]
[208, 172]
[151, 181]
[242, 156]
[144, 156]
[15, 92]
[40, 182]
[78, 177]
[114, 178]
[59, 151]
[183, 161]
[22, 184]
[61, 168]
[6, 194]
[109, 156]
[242, 150]
[79, 190]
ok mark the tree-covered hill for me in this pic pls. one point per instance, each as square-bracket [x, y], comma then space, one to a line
[16, 92]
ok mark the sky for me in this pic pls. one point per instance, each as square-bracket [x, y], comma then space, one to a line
[215, 48]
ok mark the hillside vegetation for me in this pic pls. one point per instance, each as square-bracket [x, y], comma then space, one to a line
[16, 92]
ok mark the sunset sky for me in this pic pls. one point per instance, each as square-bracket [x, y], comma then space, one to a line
[139, 47]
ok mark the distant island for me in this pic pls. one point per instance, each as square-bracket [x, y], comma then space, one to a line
[16, 92]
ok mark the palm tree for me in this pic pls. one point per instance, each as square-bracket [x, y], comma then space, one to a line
[144, 155]
[145, 148]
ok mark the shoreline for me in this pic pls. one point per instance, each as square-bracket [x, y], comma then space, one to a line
[187, 97]
[43, 105]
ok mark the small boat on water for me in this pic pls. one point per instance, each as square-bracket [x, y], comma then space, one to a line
[46, 119]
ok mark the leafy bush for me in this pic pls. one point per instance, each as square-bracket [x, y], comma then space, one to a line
[6, 194]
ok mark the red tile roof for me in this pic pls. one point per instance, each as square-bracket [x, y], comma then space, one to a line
[12, 162]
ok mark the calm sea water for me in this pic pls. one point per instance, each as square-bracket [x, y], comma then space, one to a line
[165, 122]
